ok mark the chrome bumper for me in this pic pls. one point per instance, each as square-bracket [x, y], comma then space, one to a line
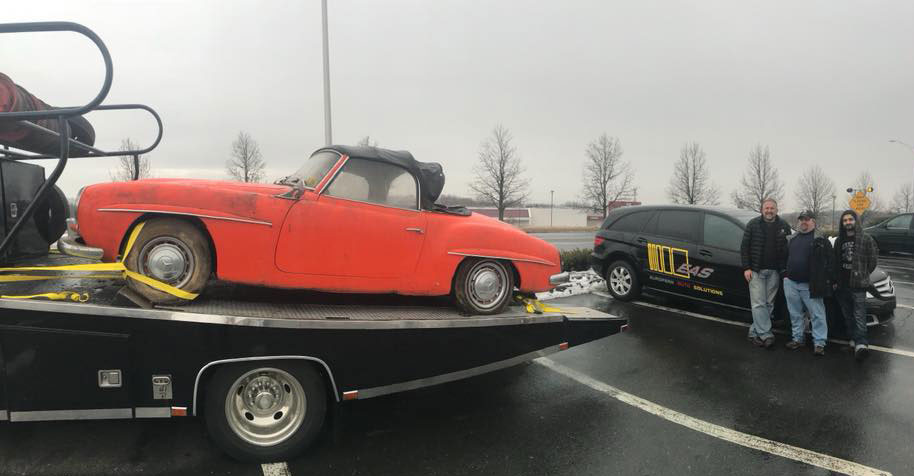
[69, 245]
[560, 278]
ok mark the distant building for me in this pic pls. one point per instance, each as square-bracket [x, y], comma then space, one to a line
[596, 220]
[516, 216]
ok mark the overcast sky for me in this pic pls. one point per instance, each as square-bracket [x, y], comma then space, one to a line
[821, 82]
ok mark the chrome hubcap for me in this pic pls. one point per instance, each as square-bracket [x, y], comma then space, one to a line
[488, 284]
[620, 281]
[168, 260]
[265, 406]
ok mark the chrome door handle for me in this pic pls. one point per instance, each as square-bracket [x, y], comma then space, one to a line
[417, 230]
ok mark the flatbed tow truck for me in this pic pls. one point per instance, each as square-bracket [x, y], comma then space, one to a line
[263, 367]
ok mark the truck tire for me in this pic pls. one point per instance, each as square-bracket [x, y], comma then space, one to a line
[172, 251]
[483, 286]
[265, 411]
[622, 281]
[51, 216]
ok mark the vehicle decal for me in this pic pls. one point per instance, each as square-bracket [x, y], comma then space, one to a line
[663, 259]
[696, 271]
[716, 292]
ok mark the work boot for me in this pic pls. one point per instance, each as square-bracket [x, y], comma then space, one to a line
[756, 341]
[793, 345]
[861, 351]
[819, 351]
[768, 342]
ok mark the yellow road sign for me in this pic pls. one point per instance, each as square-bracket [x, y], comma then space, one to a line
[859, 202]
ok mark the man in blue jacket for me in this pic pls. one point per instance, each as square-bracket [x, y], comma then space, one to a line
[807, 282]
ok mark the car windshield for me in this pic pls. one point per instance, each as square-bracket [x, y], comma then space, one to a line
[315, 168]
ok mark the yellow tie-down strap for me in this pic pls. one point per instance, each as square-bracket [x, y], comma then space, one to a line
[535, 306]
[96, 270]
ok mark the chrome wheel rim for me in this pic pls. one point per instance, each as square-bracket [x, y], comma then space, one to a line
[487, 284]
[620, 280]
[167, 259]
[266, 406]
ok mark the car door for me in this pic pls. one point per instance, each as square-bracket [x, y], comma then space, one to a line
[718, 265]
[671, 243]
[895, 234]
[365, 223]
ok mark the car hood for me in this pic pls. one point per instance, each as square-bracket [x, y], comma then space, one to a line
[189, 196]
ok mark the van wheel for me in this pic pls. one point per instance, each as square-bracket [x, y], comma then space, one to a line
[265, 412]
[622, 281]
[483, 286]
[172, 251]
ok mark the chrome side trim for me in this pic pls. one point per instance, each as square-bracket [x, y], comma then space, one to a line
[336, 394]
[94, 414]
[3, 415]
[166, 212]
[109, 311]
[452, 376]
[152, 412]
[537, 261]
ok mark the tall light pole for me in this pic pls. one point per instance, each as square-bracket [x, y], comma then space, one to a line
[551, 205]
[911, 148]
[328, 133]
[833, 224]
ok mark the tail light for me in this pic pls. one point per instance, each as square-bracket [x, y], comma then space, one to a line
[598, 240]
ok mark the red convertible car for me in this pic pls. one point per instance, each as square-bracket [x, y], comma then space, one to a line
[351, 220]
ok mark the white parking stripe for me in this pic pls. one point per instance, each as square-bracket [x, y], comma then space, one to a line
[276, 469]
[905, 306]
[784, 450]
[902, 282]
[888, 350]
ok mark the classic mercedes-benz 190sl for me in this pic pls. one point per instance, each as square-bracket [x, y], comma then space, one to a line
[351, 220]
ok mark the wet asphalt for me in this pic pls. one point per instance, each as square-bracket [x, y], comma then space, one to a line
[532, 420]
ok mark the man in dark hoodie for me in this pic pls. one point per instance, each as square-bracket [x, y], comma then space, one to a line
[855, 257]
[808, 280]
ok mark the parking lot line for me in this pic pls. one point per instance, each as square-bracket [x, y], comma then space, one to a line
[276, 469]
[902, 282]
[888, 350]
[777, 448]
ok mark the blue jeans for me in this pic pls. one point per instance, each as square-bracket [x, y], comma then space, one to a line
[853, 306]
[762, 290]
[797, 296]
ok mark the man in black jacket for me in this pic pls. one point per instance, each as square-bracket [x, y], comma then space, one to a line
[855, 257]
[764, 256]
[807, 281]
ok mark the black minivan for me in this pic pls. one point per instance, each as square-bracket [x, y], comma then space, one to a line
[691, 252]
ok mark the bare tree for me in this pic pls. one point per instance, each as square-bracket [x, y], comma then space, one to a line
[126, 167]
[903, 201]
[760, 181]
[691, 183]
[814, 190]
[367, 141]
[246, 164]
[498, 178]
[606, 176]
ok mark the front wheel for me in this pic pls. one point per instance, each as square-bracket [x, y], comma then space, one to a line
[171, 251]
[622, 281]
[483, 286]
[264, 412]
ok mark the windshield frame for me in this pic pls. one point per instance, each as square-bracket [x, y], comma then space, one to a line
[322, 183]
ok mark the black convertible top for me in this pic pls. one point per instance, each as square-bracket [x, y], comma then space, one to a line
[429, 174]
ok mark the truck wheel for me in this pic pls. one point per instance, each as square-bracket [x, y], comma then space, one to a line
[622, 281]
[265, 412]
[172, 251]
[483, 286]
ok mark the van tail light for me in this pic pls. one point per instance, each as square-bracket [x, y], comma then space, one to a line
[598, 240]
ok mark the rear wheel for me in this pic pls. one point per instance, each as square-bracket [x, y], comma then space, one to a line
[483, 286]
[622, 281]
[264, 412]
[172, 251]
